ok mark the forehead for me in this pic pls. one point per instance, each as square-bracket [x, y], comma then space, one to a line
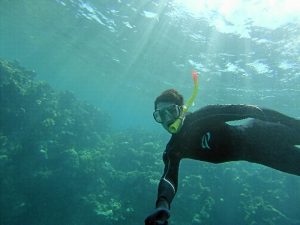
[162, 105]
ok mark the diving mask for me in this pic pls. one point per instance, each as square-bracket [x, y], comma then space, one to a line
[167, 114]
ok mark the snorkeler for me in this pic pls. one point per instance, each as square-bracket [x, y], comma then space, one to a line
[269, 138]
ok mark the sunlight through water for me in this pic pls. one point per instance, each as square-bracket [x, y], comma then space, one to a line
[235, 15]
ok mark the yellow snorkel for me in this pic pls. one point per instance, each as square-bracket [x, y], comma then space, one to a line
[174, 127]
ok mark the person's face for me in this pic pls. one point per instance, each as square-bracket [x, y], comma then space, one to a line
[166, 113]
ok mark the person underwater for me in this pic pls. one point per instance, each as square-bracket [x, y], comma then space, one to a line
[268, 138]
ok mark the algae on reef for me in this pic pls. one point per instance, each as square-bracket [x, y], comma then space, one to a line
[60, 163]
[41, 135]
[44, 136]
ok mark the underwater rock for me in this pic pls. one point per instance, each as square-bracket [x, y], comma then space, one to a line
[41, 133]
[61, 163]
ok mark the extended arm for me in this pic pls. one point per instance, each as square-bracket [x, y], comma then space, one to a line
[167, 187]
[166, 191]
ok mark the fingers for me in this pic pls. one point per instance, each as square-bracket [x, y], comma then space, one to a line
[158, 217]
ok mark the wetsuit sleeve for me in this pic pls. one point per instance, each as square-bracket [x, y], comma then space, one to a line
[277, 117]
[167, 187]
[231, 112]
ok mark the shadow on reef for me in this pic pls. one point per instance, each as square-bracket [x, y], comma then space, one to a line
[60, 163]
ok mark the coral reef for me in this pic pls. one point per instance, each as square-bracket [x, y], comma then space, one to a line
[61, 163]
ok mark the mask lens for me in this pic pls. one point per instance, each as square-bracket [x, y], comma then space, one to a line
[168, 114]
[157, 116]
[174, 110]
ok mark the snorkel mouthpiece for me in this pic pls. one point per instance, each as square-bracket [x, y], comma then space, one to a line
[174, 127]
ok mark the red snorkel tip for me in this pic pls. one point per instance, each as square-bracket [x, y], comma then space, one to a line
[195, 75]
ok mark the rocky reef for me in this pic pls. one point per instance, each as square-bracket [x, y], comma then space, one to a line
[44, 136]
[61, 163]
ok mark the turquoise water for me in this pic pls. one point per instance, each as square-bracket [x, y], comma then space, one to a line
[119, 55]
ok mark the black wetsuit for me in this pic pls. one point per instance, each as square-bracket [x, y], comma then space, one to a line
[269, 139]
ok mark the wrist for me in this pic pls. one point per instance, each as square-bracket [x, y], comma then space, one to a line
[162, 203]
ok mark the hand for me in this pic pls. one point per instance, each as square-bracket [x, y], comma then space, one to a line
[159, 217]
